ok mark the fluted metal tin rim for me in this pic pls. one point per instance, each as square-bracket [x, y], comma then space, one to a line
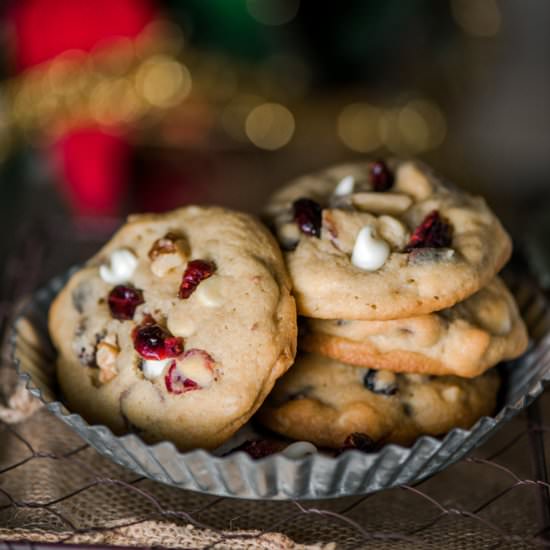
[277, 476]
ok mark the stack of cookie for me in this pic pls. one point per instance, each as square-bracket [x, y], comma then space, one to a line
[394, 273]
[182, 324]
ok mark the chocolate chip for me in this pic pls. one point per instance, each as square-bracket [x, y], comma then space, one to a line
[84, 347]
[359, 441]
[382, 384]
[86, 356]
[259, 448]
[100, 336]
[79, 296]
[407, 409]
[289, 246]
[81, 327]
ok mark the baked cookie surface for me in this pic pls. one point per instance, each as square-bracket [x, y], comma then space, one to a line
[324, 401]
[178, 328]
[464, 340]
[374, 241]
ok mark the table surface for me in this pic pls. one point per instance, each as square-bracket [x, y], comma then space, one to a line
[54, 488]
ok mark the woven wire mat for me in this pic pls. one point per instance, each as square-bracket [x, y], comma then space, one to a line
[56, 490]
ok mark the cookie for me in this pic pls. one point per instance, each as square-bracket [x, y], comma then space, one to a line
[178, 328]
[464, 340]
[324, 401]
[373, 241]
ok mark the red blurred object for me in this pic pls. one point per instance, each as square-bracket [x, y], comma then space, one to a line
[96, 166]
[93, 162]
[161, 185]
[47, 28]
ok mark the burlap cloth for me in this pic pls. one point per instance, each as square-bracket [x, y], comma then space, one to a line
[83, 498]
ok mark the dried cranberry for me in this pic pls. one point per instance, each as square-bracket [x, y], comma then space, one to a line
[123, 301]
[197, 271]
[307, 214]
[361, 442]
[433, 232]
[380, 176]
[177, 383]
[259, 448]
[154, 342]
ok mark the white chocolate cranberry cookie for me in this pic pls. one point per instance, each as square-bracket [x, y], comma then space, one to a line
[464, 340]
[177, 328]
[378, 241]
[324, 401]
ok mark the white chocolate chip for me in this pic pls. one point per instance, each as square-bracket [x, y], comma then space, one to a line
[123, 263]
[210, 292]
[299, 449]
[369, 252]
[152, 368]
[451, 394]
[382, 203]
[413, 182]
[345, 186]
[393, 231]
[179, 323]
[288, 235]
[341, 227]
[196, 368]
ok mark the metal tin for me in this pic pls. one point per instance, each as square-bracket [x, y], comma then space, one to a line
[276, 476]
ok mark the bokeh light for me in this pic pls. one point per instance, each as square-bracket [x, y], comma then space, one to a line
[67, 73]
[162, 81]
[390, 133]
[413, 128]
[114, 102]
[358, 127]
[234, 115]
[160, 35]
[270, 126]
[113, 57]
[434, 119]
